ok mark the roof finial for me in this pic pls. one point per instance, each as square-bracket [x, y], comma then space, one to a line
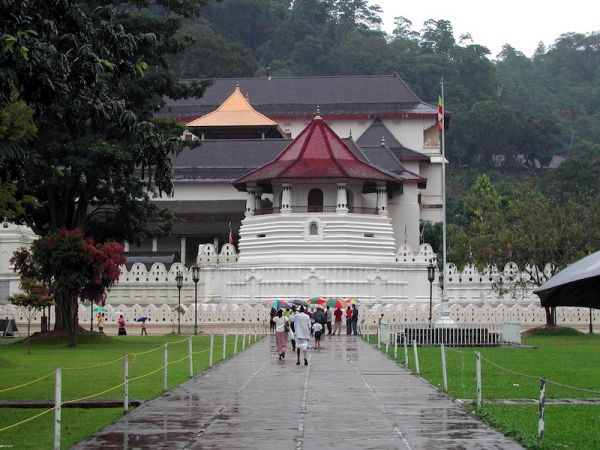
[382, 141]
[350, 133]
[318, 113]
[247, 97]
[237, 84]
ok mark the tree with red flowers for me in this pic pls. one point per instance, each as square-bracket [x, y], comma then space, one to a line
[72, 268]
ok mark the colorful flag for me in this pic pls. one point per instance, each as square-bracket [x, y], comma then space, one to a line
[405, 235]
[440, 113]
[230, 238]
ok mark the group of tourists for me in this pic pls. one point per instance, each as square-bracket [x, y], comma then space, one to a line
[296, 326]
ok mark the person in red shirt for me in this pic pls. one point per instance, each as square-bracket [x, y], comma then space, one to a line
[348, 320]
[337, 324]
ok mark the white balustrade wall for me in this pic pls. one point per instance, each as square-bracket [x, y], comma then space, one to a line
[231, 293]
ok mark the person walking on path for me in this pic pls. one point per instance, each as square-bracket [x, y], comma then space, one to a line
[348, 320]
[144, 331]
[318, 330]
[281, 333]
[320, 317]
[329, 315]
[337, 325]
[272, 314]
[302, 327]
[354, 319]
[101, 320]
[121, 322]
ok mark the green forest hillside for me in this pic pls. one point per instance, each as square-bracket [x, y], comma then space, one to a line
[514, 118]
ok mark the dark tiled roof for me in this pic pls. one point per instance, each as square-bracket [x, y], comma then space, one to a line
[337, 96]
[225, 159]
[382, 156]
[372, 138]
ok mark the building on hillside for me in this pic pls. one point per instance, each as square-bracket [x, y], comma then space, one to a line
[243, 124]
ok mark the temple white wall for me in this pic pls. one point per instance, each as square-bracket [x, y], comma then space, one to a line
[201, 191]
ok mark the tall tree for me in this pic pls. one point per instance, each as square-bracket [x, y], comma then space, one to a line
[93, 76]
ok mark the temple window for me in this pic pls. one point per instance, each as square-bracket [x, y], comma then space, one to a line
[314, 229]
[315, 200]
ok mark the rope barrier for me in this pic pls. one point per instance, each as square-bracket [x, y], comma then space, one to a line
[93, 395]
[95, 365]
[566, 386]
[26, 420]
[26, 384]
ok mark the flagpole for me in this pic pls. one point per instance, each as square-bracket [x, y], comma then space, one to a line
[445, 320]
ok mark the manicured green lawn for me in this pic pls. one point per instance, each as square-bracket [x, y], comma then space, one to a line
[80, 379]
[567, 358]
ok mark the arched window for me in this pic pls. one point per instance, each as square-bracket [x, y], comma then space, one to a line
[315, 200]
[313, 229]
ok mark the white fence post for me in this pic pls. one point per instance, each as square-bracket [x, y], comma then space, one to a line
[224, 347]
[387, 343]
[210, 353]
[235, 344]
[416, 357]
[444, 373]
[57, 406]
[126, 384]
[165, 365]
[191, 361]
[541, 421]
[378, 338]
[478, 355]
[244, 341]
[405, 351]
[396, 346]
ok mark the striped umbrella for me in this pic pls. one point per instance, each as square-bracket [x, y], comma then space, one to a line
[336, 303]
[351, 301]
[317, 301]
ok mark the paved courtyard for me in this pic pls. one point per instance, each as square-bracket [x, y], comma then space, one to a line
[350, 396]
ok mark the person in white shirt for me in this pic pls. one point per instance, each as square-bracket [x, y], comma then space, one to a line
[302, 328]
[318, 330]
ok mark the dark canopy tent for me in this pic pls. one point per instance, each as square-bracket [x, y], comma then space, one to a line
[577, 285]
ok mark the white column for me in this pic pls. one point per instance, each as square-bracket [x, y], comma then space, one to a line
[250, 201]
[257, 198]
[286, 198]
[382, 203]
[125, 246]
[182, 250]
[154, 245]
[342, 199]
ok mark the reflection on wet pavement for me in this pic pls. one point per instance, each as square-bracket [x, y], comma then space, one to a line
[350, 396]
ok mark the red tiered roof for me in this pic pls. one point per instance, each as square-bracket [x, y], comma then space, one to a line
[317, 152]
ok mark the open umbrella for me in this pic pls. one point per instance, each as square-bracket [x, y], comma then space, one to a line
[99, 309]
[299, 302]
[336, 303]
[317, 301]
[351, 301]
[280, 304]
[141, 319]
[577, 285]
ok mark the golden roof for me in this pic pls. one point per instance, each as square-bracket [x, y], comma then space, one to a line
[235, 111]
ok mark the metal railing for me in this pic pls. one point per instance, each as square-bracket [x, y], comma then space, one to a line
[315, 209]
[463, 335]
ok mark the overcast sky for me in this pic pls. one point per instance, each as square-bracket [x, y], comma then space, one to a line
[521, 24]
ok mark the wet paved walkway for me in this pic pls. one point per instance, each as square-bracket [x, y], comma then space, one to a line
[350, 396]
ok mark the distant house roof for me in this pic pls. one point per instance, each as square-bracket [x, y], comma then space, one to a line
[378, 132]
[317, 152]
[359, 96]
